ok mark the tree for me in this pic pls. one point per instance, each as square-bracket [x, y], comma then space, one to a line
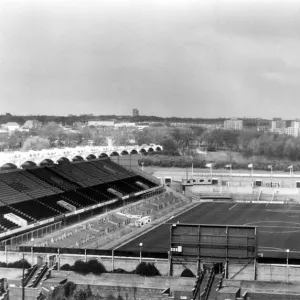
[51, 131]
[147, 269]
[35, 143]
[169, 145]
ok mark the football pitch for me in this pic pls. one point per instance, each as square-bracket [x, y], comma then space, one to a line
[278, 226]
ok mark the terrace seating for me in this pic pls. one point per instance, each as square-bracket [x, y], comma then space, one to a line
[103, 189]
[48, 175]
[35, 209]
[42, 183]
[24, 184]
[93, 171]
[81, 176]
[118, 173]
[147, 182]
[6, 208]
[103, 174]
[78, 199]
[131, 181]
[118, 168]
[94, 194]
[51, 201]
[10, 195]
[72, 174]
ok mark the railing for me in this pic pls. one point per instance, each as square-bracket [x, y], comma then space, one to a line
[27, 279]
[40, 276]
[220, 281]
[98, 252]
[207, 288]
[196, 289]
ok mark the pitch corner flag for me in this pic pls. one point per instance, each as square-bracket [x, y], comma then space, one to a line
[228, 166]
[208, 165]
[290, 167]
[250, 166]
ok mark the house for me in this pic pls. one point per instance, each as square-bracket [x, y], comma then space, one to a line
[11, 126]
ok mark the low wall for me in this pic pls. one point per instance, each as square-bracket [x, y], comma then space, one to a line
[127, 286]
[128, 264]
[241, 272]
[15, 293]
[281, 273]
[10, 273]
[264, 296]
[264, 272]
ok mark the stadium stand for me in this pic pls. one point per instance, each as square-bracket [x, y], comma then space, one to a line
[105, 228]
[45, 192]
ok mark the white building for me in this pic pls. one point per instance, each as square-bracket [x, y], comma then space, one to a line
[118, 125]
[11, 126]
[293, 129]
[233, 124]
[101, 123]
[142, 127]
[278, 125]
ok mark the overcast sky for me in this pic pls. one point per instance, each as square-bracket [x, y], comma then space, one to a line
[189, 58]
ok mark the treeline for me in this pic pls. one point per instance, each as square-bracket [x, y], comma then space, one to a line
[83, 118]
[254, 143]
[188, 162]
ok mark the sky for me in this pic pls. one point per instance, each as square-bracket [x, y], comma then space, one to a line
[184, 58]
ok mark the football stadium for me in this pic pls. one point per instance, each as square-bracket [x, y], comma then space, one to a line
[231, 232]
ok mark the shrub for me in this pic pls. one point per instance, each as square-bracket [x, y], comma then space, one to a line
[69, 288]
[92, 266]
[81, 267]
[187, 273]
[66, 267]
[147, 269]
[19, 264]
[2, 264]
[96, 267]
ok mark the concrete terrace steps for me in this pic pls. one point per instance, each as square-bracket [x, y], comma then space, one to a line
[212, 295]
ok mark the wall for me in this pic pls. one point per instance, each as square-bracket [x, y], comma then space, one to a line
[128, 264]
[15, 293]
[278, 273]
[243, 273]
[264, 296]
[127, 286]
[10, 273]
[265, 272]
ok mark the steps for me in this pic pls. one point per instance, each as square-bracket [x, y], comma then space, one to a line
[212, 295]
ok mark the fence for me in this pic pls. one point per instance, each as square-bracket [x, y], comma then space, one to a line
[96, 252]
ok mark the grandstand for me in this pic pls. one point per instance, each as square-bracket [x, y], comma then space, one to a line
[68, 192]
[98, 231]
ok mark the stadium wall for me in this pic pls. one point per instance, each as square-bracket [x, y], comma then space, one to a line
[110, 263]
[265, 272]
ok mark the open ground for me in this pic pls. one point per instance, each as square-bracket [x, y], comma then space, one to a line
[278, 226]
